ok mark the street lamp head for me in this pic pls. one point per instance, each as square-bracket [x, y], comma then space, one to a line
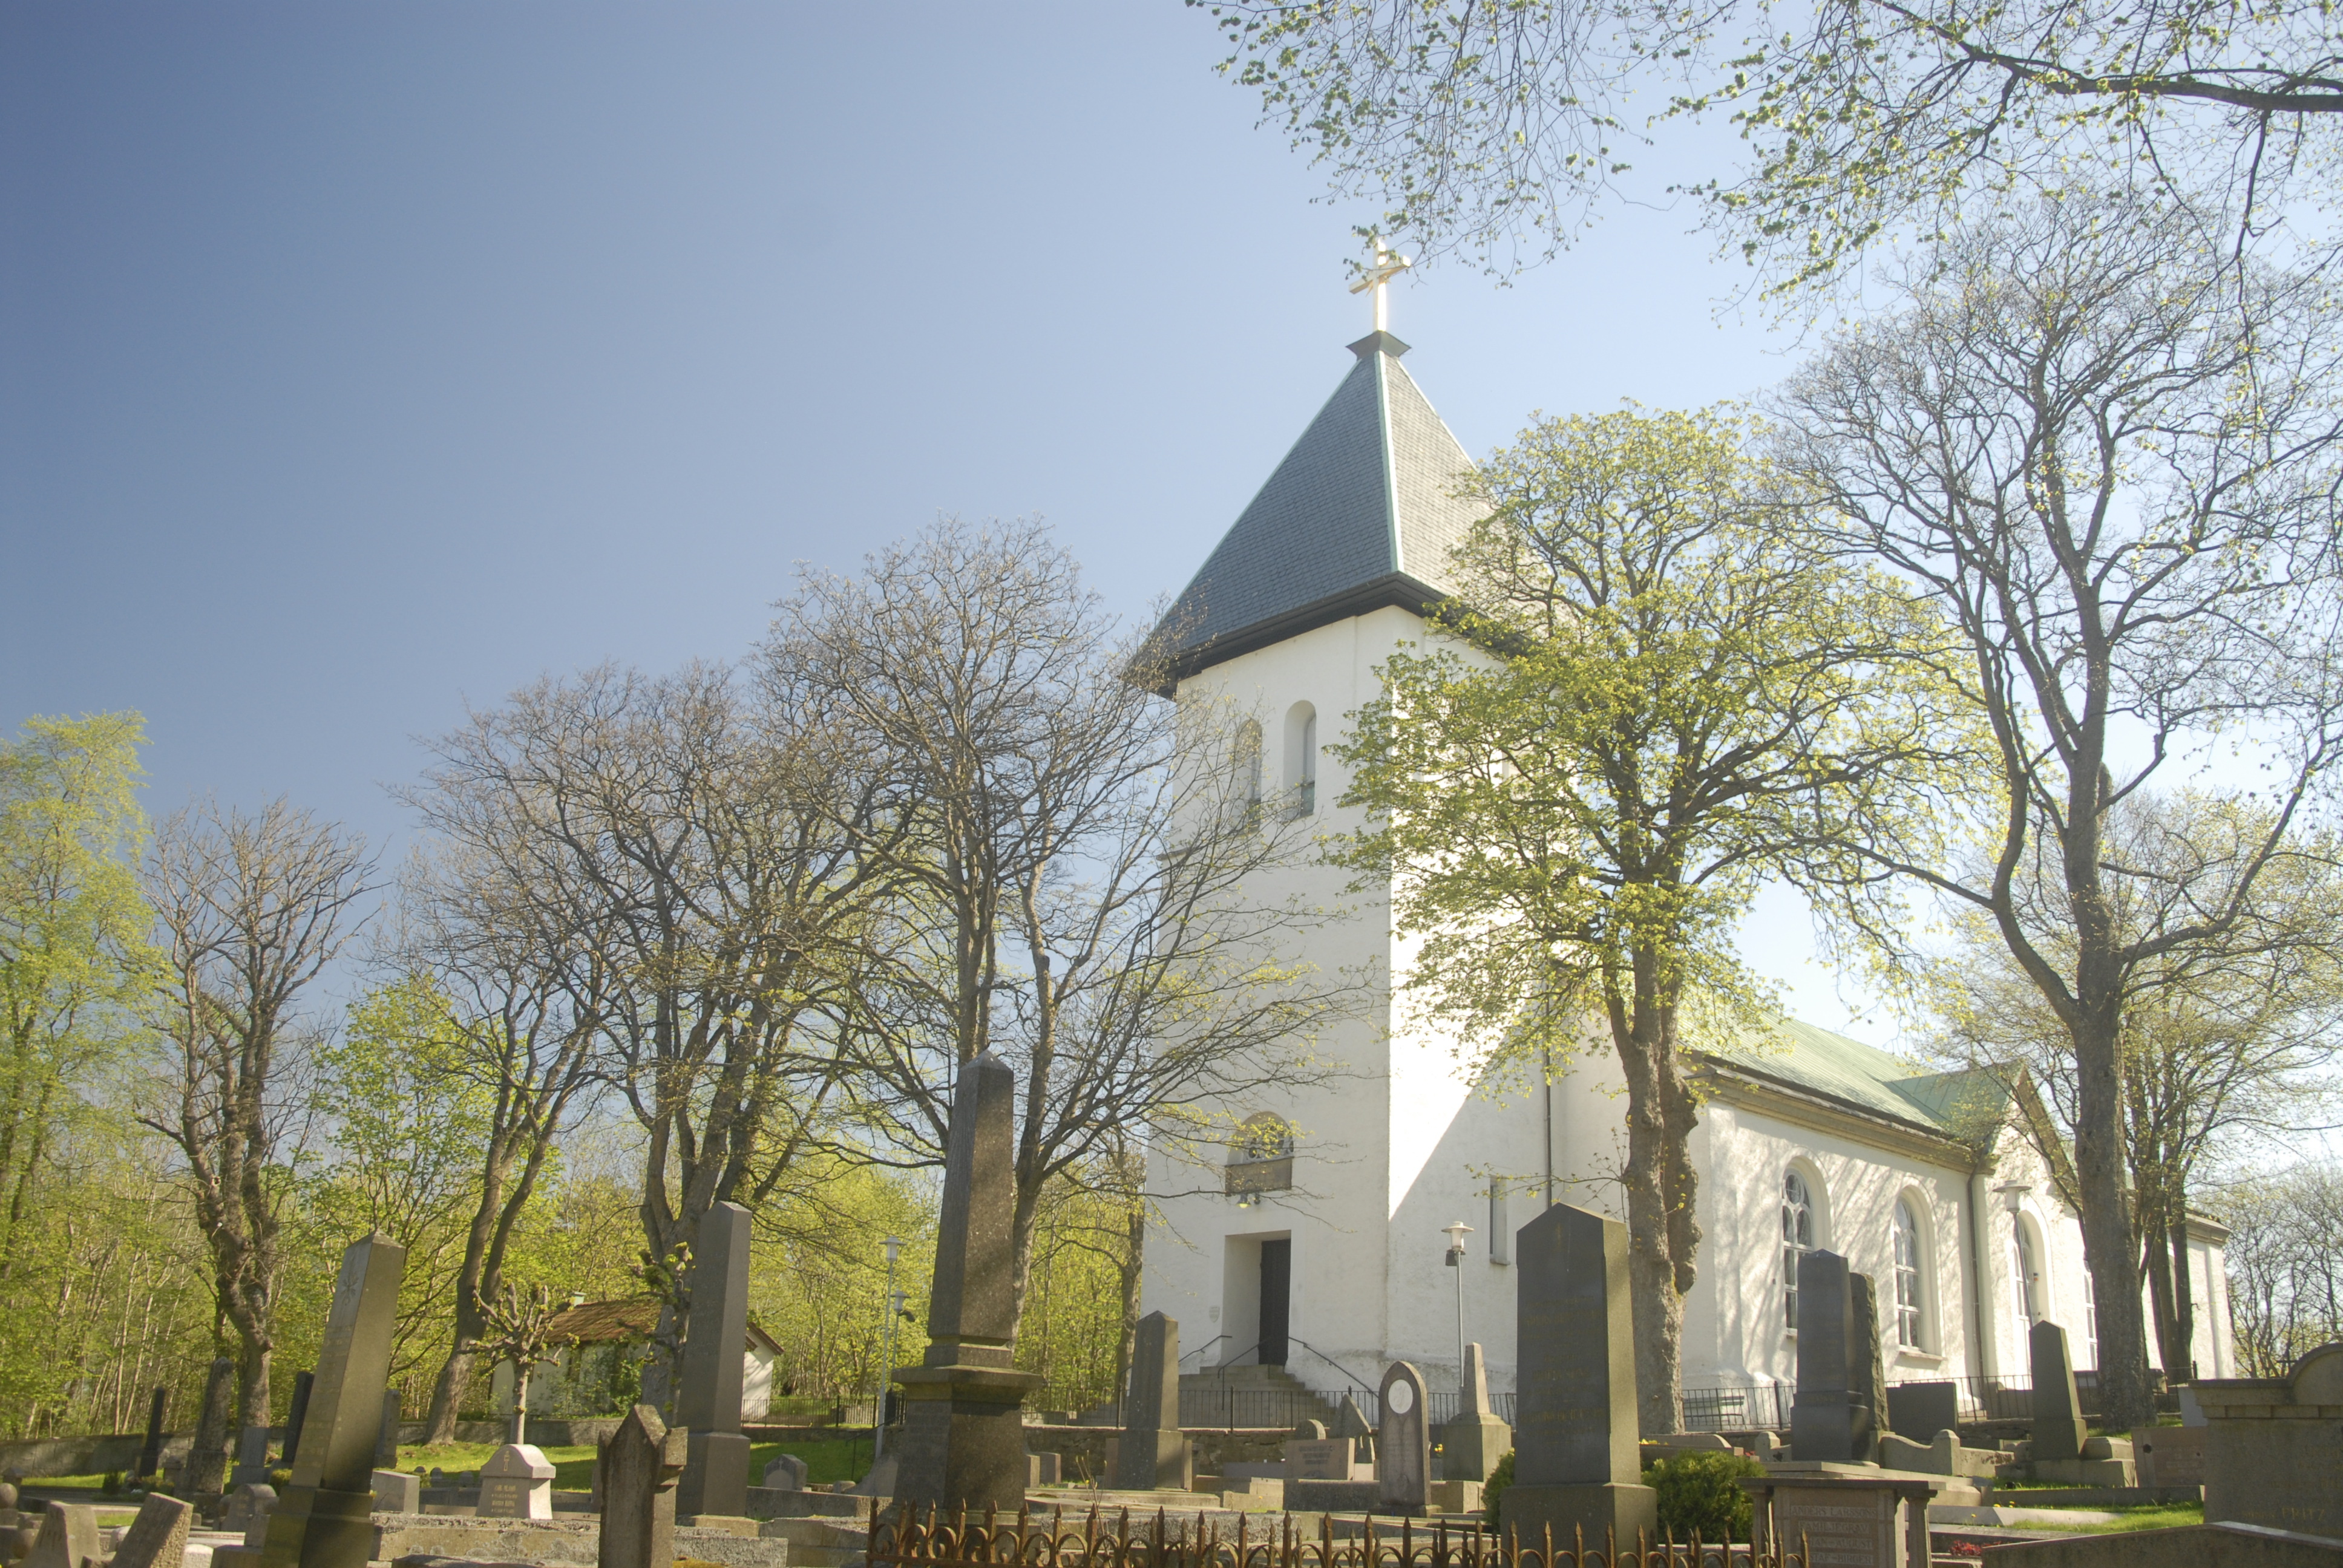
[2014, 1194]
[1456, 1234]
[894, 1245]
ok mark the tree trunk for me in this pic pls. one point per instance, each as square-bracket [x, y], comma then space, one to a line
[2108, 1241]
[1658, 1180]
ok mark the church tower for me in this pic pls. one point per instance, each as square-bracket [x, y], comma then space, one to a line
[1322, 1252]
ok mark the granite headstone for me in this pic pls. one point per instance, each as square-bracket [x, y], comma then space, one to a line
[296, 1412]
[964, 1442]
[516, 1483]
[1403, 1446]
[150, 1453]
[2273, 1447]
[322, 1521]
[69, 1536]
[1472, 1444]
[2058, 1429]
[158, 1537]
[1153, 1452]
[707, 1395]
[1830, 1418]
[1920, 1410]
[639, 1463]
[1576, 1460]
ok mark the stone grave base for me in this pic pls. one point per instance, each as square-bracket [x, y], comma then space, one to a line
[718, 1468]
[2190, 1546]
[1620, 1509]
[1313, 1496]
[1149, 1460]
[2086, 1471]
[556, 1542]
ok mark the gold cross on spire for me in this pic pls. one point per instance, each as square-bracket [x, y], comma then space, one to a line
[1389, 263]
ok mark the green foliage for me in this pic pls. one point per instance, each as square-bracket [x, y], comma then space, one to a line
[1499, 1479]
[1700, 1493]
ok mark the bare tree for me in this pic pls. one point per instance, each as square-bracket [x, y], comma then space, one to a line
[2285, 1266]
[2117, 477]
[253, 908]
[2221, 1041]
[1074, 862]
[700, 862]
[518, 1329]
[522, 992]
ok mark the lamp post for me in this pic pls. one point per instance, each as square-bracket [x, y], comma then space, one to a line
[1456, 1234]
[894, 1246]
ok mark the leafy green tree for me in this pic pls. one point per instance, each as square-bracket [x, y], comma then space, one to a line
[74, 954]
[1651, 693]
[1497, 128]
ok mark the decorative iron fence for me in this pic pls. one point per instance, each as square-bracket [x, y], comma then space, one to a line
[901, 1538]
[1228, 1406]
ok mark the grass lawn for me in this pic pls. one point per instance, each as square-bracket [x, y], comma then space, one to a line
[838, 1459]
[2145, 1516]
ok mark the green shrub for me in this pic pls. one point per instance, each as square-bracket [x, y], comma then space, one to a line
[1499, 1479]
[110, 1485]
[1701, 1491]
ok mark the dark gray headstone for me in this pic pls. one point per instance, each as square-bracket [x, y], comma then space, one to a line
[157, 1537]
[786, 1474]
[1920, 1410]
[1403, 1446]
[2058, 1430]
[296, 1412]
[1830, 1420]
[1576, 1462]
[150, 1453]
[963, 1442]
[639, 1463]
[1153, 1451]
[208, 1454]
[708, 1398]
[251, 1457]
[321, 1521]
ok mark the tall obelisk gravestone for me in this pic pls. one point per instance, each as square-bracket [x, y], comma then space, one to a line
[963, 1427]
[708, 1394]
[321, 1520]
[1153, 1451]
[1575, 1461]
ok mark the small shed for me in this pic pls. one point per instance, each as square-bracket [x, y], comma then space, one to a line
[599, 1368]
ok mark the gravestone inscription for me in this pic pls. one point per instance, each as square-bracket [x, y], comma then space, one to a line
[516, 1483]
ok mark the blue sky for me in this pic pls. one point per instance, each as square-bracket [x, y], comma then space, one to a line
[358, 362]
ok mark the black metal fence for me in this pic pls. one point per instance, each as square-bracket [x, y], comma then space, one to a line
[903, 1538]
[1230, 1406]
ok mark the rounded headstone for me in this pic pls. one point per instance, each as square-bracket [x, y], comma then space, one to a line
[8, 1494]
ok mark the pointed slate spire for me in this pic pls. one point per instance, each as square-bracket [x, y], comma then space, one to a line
[1361, 513]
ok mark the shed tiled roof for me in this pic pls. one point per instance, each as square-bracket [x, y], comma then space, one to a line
[633, 1318]
[1957, 1105]
[1362, 512]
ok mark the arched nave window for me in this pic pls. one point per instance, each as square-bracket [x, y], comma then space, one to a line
[1798, 1238]
[1302, 758]
[1909, 1284]
[2025, 1287]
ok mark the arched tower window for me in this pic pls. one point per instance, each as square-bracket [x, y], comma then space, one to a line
[1248, 761]
[1302, 758]
[1907, 1276]
[1797, 1239]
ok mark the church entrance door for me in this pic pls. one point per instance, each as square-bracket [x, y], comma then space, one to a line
[1276, 1290]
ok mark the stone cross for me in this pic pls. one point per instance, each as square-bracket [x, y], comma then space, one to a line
[1473, 1442]
[2058, 1430]
[296, 1412]
[157, 1537]
[1153, 1451]
[322, 1520]
[516, 1483]
[1403, 1446]
[639, 1463]
[708, 1392]
[208, 1455]
[150, 1453]
[68, 1537]
[1831, 1419]
[963, 1434]
[1576, 1460]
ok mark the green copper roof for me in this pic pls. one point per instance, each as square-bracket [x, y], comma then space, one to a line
[1361, 513]
[1959, 1105]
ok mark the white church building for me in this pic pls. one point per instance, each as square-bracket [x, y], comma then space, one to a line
[1323, 1252]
